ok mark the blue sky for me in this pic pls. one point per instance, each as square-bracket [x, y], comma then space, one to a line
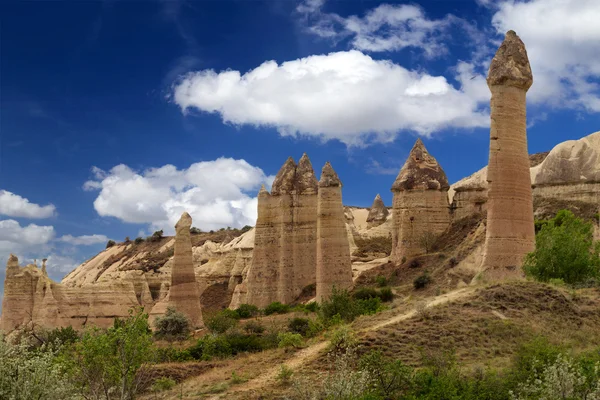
[119, 115]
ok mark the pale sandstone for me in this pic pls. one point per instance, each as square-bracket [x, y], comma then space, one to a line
[334, 268]
[378, 213]
[510, 233]
[420, 204]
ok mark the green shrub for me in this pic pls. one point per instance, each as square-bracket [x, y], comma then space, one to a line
[313, 306]
[386, 294]
[365, 293]
[195, 231]
[369, 306]
[237, 379]
[381, 281]
[139, 240]
[422, 281]
[62, 336]
[389, 379]
[211, 346]
[414, 264]
[284, 375]
[339, 303]
[254, 327]
[240, 343]
[110, 243]
[289, 339]
[564, 250]
[171, 354]
[172, 326]
[532, 356]
[277, 308]
[342, 338]
[163, 383]
[222, 321]
[314, 328]
[247, 311]
[299, 325]
[156, 236]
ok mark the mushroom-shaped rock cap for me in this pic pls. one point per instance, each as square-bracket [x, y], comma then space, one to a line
[306, 181]
[184, 222]
[378, 211]
[510, 66]
[284, 180]
[329, 177]
[420, 172]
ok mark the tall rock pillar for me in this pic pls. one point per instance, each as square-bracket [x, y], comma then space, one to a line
[510, 231]
[420, 206]
[334, 267]
[184, 295]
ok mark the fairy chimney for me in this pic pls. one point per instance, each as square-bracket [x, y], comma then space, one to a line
[377, 214]
[334, 267]
[510, 231]
[184, 295]
[420, 205]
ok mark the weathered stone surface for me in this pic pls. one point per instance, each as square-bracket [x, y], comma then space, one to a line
[184, 295]
[420, 205]
[510, 233]
[378, 213]
[334, 268]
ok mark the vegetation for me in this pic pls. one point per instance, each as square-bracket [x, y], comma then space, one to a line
[427, 241]
[341, 305]
[564, 250]
[384, 294]
[222, 321]
[422, 281]
[247, 311]
[110, 243]
[299, 325]
[156, 236]
[139, 240]
[172, 326]
[195, 231]
[276, 308]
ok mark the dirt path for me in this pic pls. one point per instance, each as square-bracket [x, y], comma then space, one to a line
[311, 352]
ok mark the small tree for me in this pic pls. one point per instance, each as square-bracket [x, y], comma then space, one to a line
[195, 231]
[110, 243]
[156, 236]
[427, 240]
[564, 250]
[172, 326]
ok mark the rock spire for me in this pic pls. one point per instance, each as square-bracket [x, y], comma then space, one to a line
[334, 267]
[510, 232]
[184, 295]
[378, 213]
[420, 204]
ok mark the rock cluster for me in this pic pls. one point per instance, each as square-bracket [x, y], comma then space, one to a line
[420, 206]
[334, 268]
[378, 213]
[510, 233]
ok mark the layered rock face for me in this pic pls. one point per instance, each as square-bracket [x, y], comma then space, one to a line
[184, 295]
[334, 268]
[510, 232]
[420, 206]
[285, 244]
[377, 214]
[31, 298]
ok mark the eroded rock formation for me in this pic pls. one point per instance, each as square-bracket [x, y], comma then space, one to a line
[420, 206]
[378, 213]
[510, 233]
[334, 268]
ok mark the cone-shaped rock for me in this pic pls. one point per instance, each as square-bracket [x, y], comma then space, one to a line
[420, 205]
[283, 193]
[284, 180]
[510, 232]
[184, 295]
[378, 213]
[334, 267]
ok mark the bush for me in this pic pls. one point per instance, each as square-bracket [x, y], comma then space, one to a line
[246, 228]
[389, 379]
[339, 303]
[172, 326]
[314, 328]
[365, 293]
[110, 243]
[422, 281]
[239, 343]
[222, 321]
[564, 250]
[163, 383]
[171, 354]
[313, 306]
[127, 240]
[381, 281]
[139, 240]
[414, 264]
[195, 231]
[277, 308]
[386, 294]
[247, 310]
[299, 325]
[62, 336]
[452, 262]
[156, 236]
[288, 339]
[369, 306]
[342, 339]
[284, 375]
[254, 327]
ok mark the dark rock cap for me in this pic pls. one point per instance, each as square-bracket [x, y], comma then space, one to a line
[306, 181]
[329, 177]
[420, 172]
[284, 180]
[510, 66]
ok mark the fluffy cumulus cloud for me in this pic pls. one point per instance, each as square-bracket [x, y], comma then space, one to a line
[563, 44]
[13, 205]
[216, 193]
[84, 240]
[24, 241]
[345, 95]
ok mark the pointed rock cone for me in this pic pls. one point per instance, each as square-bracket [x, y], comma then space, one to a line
[510, 232]
[305, 228]
[184, 294]
[378, 213]
[420, 205]
[334, 268]
[284, 180]
[263, 274]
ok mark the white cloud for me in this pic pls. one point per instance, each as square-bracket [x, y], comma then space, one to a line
[563, 44]
[60, 264]
[346, 95]
[84, 240]
[13, 205]
[215, 193]
[19, 240]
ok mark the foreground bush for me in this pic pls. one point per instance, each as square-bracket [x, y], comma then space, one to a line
[222, 321]
[277, 308]
[345, 307]
[564, 249]
[247, 311]
[172, 326]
